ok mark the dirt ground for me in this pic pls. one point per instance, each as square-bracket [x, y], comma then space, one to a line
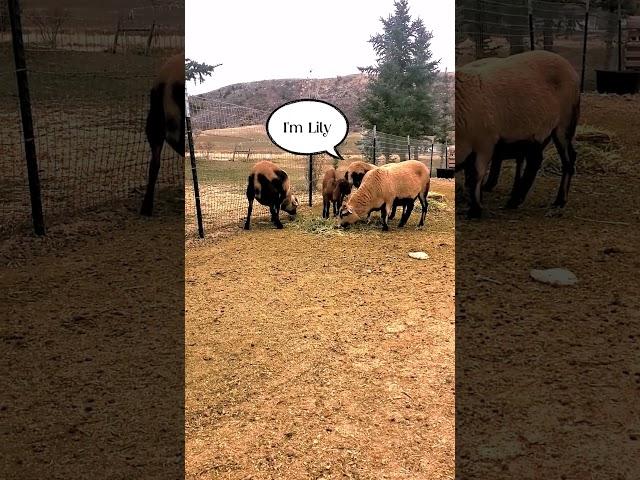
[547, 378]
[322, 355]
[91, 346]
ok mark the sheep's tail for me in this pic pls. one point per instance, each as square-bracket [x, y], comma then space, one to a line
[573, 124]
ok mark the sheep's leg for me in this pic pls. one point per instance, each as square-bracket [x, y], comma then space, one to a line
[568, 158]
[407, 209]
[325, 208]
[154, 168]
[275, 216]
[494, 175]
[250, 196]
[474, 172]
[517, 177]
[335, 209]
[393, 211]
[383, 215]
[424, 202]
[534, 160]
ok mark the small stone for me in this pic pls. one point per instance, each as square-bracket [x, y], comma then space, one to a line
[395, 328]
[418, 255]
[554, 276]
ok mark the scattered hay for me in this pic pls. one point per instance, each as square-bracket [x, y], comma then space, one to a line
[317, 225]
[597, 150]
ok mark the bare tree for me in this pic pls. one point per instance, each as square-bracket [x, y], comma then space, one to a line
[49, 23]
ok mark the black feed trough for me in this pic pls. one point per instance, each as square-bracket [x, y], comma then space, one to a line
[618, 81]
[445, 172]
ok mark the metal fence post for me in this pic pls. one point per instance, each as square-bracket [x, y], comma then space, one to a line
[584, 46]
[532, 39]
[194, 170]
[115, 38]
[374, 146]
[446, 153]
[311, 180]
[431, 167]
[27, 119]
[409, 147]
[619, 35]
[150, 38]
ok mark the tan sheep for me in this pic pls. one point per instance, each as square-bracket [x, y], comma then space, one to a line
[527, 99]
[381, 188]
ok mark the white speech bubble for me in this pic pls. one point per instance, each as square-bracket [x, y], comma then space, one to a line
[307, 127]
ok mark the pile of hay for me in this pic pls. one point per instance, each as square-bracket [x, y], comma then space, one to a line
[597, 153]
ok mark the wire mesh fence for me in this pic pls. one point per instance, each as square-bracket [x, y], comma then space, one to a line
[229, 139]
[89, 29]
[487, 28]
[89, 111]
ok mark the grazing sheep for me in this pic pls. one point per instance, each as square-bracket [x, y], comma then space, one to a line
[334, 190]
[165, 120]
[399, 183]
[270, 185]
[356, 172]
[531, 97]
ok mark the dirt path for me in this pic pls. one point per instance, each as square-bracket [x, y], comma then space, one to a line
[322, 356]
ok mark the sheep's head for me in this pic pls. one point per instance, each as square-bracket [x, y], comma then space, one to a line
[347, 216]
[290, 204]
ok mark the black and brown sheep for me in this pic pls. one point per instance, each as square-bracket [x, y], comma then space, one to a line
[270, 186]
[165, 120]
[334, 191]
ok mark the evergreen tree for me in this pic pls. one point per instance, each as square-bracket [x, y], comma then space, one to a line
[197, 71]
[399, 99]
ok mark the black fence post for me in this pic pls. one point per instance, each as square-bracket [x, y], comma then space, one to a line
[532, 38]
[431, 168]
[408, 147]
[114, 48]
[150, 38]
[194, 170]
[584, 46]
[311, 180]
[27, 119]
[619, 35]
[374, 146]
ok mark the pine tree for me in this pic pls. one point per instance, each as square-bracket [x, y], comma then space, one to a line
[399, 99]
[197, 71]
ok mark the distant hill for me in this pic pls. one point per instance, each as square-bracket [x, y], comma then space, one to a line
[344, 92]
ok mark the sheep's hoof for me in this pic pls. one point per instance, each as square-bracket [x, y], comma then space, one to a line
[554, 212]
[246, 227]
[474, 214]
[512, 204]
[145, 212]
[279, 226]
[385, 228]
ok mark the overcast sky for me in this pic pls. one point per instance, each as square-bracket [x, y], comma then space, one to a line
[270, 39]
